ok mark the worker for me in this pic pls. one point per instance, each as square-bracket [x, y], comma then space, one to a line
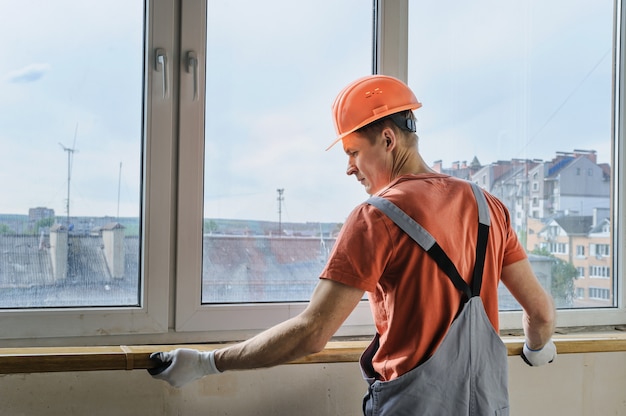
[429, 250]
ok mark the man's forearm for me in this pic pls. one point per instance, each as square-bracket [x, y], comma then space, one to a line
[280, 344]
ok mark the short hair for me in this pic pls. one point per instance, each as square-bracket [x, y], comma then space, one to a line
[403, 121]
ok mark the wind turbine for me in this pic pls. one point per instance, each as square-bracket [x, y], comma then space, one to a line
[70, 157]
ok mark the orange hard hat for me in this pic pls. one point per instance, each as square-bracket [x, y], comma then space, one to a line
[369, 99]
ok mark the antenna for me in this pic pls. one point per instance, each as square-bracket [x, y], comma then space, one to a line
[70, 157]
[119, 184]
[280, 210]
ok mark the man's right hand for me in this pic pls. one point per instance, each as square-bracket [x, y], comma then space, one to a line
[183, 365]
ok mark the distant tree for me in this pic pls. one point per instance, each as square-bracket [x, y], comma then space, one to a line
[210, 227]
[6, 230]
[563, 275]
[131, 230]
[43, 223]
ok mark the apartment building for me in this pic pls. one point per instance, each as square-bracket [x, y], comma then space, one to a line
[561, 207]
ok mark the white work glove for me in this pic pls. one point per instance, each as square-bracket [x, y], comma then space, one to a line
[183, 365]
[536, 358]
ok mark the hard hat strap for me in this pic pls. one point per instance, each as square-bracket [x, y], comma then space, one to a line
[403, 121]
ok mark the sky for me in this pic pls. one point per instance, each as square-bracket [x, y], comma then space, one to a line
[497, 80]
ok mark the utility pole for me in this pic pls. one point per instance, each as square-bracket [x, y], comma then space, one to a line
[280, 210]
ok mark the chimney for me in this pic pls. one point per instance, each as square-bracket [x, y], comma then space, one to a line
[455, 165]
[114, 253]
[437, 165]
[58, 251]
[589, 154]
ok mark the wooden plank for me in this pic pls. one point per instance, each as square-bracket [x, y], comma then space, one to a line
[101, 358]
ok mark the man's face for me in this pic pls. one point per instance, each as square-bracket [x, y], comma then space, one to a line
[369, 163]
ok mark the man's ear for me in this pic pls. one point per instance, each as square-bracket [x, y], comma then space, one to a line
[390, 138]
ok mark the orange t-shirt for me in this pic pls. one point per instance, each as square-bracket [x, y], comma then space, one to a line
[413, 302]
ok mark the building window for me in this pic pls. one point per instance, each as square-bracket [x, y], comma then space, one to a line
[602, 272]
[556, 248]
[599, 293]
[602, 250]
[580, 251]
[581, 272]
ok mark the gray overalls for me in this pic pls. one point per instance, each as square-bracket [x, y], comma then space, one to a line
[468, 373]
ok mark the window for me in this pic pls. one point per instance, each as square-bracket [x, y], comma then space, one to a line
[600, 250]
[208, 130]
[274, 200]
[70, 233]
[603, 272]
[514, 103]
[599, 293]
[555, 248]
[77, 119]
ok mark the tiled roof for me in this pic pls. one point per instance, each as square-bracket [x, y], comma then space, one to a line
[235, 268]
[262, 269]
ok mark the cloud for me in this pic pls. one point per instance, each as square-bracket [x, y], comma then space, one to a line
[30, 73]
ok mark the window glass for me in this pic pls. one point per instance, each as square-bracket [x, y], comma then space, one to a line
[71, 132]
[517, 97]
[274, 198]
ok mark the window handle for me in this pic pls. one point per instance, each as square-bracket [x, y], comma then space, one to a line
[191, 62]
[160, 65]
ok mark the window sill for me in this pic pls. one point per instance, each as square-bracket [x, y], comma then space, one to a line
[63, 359]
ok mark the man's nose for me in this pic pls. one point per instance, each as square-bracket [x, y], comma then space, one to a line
[351, 170]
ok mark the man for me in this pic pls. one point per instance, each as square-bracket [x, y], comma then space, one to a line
[414, 300]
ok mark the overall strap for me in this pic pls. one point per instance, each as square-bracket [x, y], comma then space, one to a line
[425, 240]
[484, 222]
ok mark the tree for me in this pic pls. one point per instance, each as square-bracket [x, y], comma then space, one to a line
[562, 282]
[43, 223]
[210, 227]
[6, 230]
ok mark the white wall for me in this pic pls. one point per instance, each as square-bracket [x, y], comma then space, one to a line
[575, 385]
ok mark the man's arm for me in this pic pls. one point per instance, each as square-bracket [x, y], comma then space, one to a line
[307, 333]
[539, 313]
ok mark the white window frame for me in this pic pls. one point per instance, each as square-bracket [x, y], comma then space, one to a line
[219, 322]
[230, 322]
[172, 199]
[35, 326]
